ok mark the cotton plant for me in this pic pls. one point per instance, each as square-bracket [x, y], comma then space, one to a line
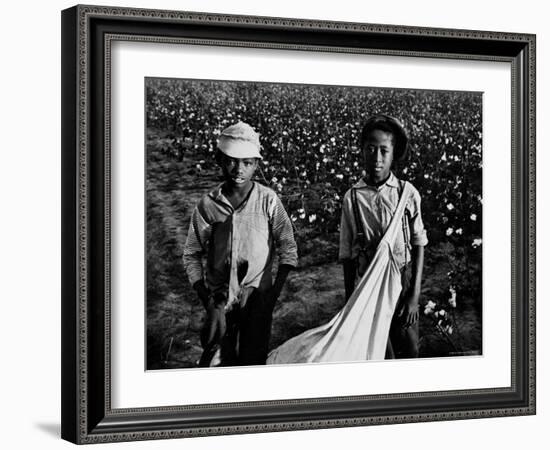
[442, 314]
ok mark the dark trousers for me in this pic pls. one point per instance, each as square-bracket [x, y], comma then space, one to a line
[246, 340]
[402, 342]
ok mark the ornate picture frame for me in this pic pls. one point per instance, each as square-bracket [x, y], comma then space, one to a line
[88, 33]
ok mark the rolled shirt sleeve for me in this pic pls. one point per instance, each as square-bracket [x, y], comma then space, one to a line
[418, 232]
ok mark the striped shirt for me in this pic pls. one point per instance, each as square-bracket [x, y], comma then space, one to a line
[376, 205]
[238, 244]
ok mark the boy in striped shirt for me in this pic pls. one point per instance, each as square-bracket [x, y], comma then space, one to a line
[238, 227]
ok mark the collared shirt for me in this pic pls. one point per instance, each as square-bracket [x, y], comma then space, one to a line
[376, 205]
[238, 243]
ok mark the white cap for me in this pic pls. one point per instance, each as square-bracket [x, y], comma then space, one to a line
[240, 141]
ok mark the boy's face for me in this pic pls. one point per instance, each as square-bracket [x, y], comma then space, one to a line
[378, 153]
[237, 171]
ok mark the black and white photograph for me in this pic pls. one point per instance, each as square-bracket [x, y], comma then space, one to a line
[301, 223]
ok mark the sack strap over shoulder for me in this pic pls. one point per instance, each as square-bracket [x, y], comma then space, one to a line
[406, 224]
[361, 237]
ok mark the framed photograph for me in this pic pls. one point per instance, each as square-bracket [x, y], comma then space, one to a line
[255, 207]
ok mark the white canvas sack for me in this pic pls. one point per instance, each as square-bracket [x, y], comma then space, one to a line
[360, 330]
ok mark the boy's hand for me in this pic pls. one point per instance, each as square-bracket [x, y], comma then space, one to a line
[275, 291]
[350, 270]
[272, 296]
[203, 292]
[215, 325]
[408, 310]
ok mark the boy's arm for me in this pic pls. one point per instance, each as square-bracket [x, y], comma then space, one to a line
[193, 252]
[280, 279]
[409, 307]
[417, 268]
[204, 293]
[350, 270]
[347, 233]
[286, 247]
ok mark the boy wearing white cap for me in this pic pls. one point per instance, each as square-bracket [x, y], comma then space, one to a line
[238, 227]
